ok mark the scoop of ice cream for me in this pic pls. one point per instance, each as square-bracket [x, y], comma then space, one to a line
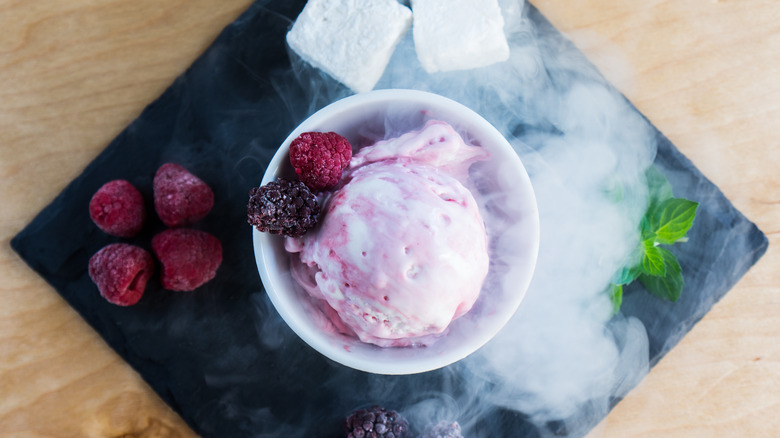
[401, 250]
[436, 145]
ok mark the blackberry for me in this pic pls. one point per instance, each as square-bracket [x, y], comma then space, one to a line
[443, 429]
[283, 207]
[376, 422]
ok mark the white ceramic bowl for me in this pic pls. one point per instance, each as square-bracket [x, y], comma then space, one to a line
[509, 210]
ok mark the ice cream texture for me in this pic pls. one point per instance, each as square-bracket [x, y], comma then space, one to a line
[401, 250]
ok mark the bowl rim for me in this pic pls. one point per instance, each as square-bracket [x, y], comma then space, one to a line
[313, 336]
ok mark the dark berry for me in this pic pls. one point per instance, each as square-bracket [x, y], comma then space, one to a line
[120, 272]
[180, 197]
[117, 208]
[319, 158]
[443, 429]
[376, 422]
[190, 258]
[283, 207]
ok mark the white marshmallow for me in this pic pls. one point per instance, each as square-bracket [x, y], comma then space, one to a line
[351, 40]
[458, 34]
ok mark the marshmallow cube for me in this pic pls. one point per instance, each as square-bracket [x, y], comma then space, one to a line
[458, 34]
[351, 40]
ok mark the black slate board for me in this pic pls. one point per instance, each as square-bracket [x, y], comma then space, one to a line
[223, 119]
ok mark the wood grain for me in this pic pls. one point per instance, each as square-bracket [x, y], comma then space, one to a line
[74, 73]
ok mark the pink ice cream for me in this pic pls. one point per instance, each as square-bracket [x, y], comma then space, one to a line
[401, 250]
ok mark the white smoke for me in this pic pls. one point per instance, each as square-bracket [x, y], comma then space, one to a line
[564, 357]
[584, 146]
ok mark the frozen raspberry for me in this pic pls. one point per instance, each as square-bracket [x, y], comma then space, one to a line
[319, 158]
[190, 258]
[118, 209]
[283, 207]
[443, 429]
[180, 197]
[376, 422]
[120, 272]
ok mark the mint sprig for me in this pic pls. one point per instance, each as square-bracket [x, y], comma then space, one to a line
[666, 222]
[671, 219]
[668, 286]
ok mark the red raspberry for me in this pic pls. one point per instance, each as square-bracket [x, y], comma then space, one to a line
[117, 208]
[180, 197]
[190, 258]
[120, 272]
[319, 158]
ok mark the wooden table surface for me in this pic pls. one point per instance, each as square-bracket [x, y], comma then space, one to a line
[74, 73]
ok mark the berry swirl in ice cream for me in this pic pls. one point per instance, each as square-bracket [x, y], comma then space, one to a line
[401, 249]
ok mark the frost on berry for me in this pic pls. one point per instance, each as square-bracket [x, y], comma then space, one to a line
[121, 272]
[376, 422]
[117, 208]
[180, 197]
[190, 258]
[283, 207]
[319, 158]
[443, 429]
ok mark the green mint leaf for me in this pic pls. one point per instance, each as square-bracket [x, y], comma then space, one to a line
[669, 286]
[667, 220]
[616, 296]
[658, 186]
[652, 260]
[671, 219]
[646, 230]
[626, 275]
